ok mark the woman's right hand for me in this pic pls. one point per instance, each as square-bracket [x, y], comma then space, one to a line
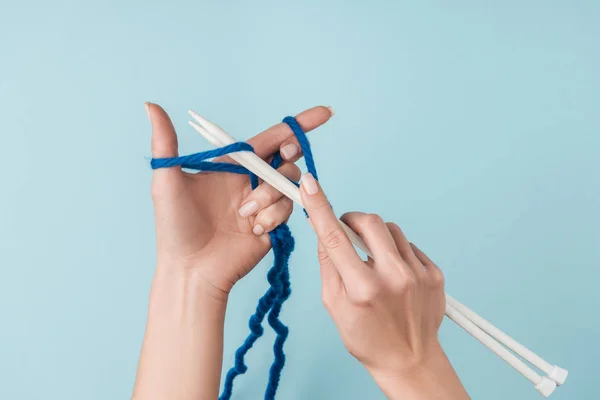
[388, 309]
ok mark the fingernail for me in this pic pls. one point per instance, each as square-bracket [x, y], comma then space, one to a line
[249, 208]
[147, 107]
[331, 110]
[289, 151]
[258, 230]
[309, 183]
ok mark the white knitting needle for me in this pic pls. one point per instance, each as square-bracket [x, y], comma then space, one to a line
[544, 385]
[554, 372]
[218, 137]
[221, 138]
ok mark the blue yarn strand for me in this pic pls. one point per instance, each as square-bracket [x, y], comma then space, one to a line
[278, 276]
[195, 158]
[304, 145]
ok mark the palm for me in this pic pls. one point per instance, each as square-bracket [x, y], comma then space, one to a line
[197, 218]
[218, 198]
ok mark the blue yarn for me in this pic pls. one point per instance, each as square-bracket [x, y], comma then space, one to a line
[197, 161]
[304, 145]
[278, 276]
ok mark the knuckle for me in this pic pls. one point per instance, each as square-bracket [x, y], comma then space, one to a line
[437, 278]
[346, 215]
[288, 206]
[271, 217]
[420, 274]
[287, 168]
[396, 261]
[407, 283]
[321, 206]
[323, 258]
[392, 226]
[350, 216]
[366, 294]
[335, 239]
[372, 219]
[266, 219]
[407, 270]
[294, 172]
[269, 195]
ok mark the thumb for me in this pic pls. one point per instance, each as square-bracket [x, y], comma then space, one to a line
[164, 138]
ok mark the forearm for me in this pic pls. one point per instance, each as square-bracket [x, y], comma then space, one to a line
[182, 351]
[434, 379]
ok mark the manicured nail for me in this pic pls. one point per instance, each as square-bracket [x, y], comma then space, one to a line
[147, 107]
[258, 230]
[331, 110]
[309, 183]
[249, 208]
[289, 151]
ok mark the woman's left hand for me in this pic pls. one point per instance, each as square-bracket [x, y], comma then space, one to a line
[214, 224]
[211, 231]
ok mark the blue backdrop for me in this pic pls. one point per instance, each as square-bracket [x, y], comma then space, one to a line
[473, 125]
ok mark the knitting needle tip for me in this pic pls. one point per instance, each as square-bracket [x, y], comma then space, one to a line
[195, 115]
[202, 121]
[206, 133]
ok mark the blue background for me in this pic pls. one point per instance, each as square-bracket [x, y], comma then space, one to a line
[474, 125]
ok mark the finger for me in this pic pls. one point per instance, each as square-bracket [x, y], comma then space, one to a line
[265, 195]
[405, 250]
[164, 138]
[373, 231]
[291, 150]
[268, 142]
[330, 233]
[386, 259]
[423, 258]
[434, 274]
[275, 214]
[331, 282]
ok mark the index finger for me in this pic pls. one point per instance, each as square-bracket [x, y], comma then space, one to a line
[269, 141]
[331, 235]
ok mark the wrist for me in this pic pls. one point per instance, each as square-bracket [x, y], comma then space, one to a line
[189, 277]
[183, 338]
[431, 378]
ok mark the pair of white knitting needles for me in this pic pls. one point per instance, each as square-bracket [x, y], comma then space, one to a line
[482, 330]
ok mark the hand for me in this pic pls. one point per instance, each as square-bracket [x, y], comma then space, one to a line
[205, 243]
[216, 217]
[388, 309]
